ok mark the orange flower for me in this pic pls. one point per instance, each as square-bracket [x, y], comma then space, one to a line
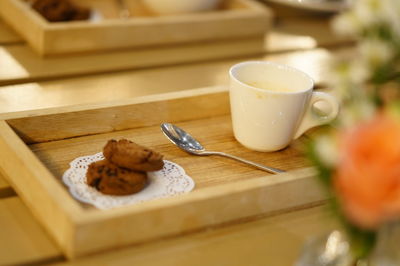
[367, 180]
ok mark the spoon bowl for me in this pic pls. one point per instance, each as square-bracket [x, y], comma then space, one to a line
[186, 142]
[181, 138]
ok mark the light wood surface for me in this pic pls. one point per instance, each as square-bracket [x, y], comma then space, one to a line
[214, 133]
[268, 241]
[3, 184]
[23, 240]
[304, 32]
[48, 201]
[7, 35]
[20, 64]
[13, 12]
[273, 240]
[5, 188]
[73, 121]
[219, 195]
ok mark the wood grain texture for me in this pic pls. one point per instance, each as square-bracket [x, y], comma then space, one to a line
[23, 240]
[67, 122]
[224, 187]
[269, 241]
[214, 133]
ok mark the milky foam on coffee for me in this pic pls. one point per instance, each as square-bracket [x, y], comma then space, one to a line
[271, 86]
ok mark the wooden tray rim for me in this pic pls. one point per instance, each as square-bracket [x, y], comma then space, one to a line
[48, 38]
[115, 103]
[251, 9]
[72, 217]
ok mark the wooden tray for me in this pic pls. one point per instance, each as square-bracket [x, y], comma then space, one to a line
[234, 19]
[36, 149]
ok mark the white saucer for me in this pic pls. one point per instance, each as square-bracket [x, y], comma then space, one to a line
[316, 5]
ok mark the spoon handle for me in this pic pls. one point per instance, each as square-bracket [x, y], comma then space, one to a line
[257, 165]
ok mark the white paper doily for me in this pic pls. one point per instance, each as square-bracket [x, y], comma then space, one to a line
[169, 181]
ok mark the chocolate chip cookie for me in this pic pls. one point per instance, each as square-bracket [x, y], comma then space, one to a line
[60, 10]
[110, 179]
[128, 154]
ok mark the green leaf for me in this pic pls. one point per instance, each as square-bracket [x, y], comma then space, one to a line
[361, 241]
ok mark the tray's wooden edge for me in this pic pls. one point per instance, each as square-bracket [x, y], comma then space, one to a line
[61, 123]
[80, 232]
[259, 7]
[11, 9]
[54, 38]
[133, 59]
[205, 193]
[252, 8]
[168, 30]
[8, 36]
[49, 202]
[206, 207]
[5, 188]
[115, 103]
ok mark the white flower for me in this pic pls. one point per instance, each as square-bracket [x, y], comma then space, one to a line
[358, 71]
[339, 79]
[376, 52]
[359, 110]
[327, 150]
[391, 15]
[369, 12]
[347, 75]
[347, 24]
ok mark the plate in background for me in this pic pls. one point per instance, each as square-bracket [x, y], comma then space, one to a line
[316, 5]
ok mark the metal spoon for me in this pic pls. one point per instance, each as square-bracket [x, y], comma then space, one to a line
[189, 144]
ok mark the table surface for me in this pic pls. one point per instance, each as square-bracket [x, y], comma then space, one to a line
[29, 82]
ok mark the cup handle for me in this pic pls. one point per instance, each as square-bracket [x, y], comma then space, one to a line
[311, 118]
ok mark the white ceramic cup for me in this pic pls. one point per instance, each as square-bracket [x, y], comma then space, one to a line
[272, 104]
